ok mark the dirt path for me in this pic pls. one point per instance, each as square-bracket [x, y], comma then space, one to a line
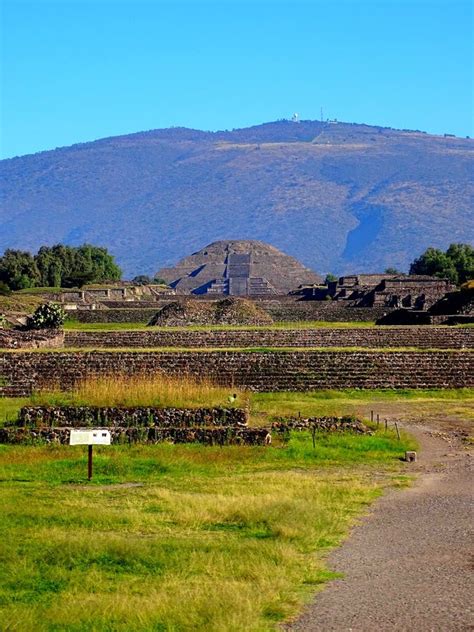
[408, 565]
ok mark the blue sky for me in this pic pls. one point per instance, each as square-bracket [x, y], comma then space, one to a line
[76, 71]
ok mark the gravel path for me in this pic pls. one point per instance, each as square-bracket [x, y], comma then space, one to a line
[407, 566]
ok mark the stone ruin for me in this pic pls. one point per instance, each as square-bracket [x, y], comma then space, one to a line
[322, 424]
[209, 426]
[388, 290]
[238, 268]
[452, 308]
[227, 311]
[35, 339]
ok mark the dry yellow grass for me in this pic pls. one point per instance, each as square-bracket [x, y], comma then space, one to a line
[140, 390]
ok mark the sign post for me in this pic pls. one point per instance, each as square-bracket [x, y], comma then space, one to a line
[89, 462]
[89, 437]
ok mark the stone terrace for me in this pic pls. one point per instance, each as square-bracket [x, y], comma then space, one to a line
[417, 337]
[23, 372]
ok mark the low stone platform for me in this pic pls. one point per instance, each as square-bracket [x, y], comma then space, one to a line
[208, 436]
[417, 337]
[139, 416]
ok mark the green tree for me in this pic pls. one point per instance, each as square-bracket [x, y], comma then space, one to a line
[49, 266]
[330, 278]
[98, 262]
[68, 266]
[18, 270]
[456, 264]
[462, 256]
[393, 271]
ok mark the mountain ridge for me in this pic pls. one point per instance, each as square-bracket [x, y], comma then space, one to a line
[339, 197]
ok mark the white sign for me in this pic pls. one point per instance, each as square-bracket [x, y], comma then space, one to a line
[93, 436]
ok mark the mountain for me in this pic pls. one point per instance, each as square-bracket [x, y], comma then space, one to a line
[339, 197]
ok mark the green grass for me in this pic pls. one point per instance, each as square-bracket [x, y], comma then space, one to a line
[233, 350]
[40, 290]
[185, 537]
[400, 404]
[9, 407]
[74, 325]
[179, 537]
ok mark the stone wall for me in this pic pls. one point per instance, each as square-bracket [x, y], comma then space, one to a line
[419, 337]
[34, 339]
[207, 436]
[81, 416]
[286, 308]
[129, 315]
[321, 424]
[281, 308]
[136, 304]
[22, 372]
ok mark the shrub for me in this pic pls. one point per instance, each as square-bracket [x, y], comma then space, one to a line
[4, 289]
[47, 316]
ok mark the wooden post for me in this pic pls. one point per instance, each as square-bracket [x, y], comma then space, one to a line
[378, 420]
[313, 434]
[398, 431]
[89, 462]
[372, 416]
[386, 425]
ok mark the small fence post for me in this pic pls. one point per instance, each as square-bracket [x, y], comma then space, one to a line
[398, 431]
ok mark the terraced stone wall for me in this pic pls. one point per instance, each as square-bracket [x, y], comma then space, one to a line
[128, 315]
[285, 308]
[23, 372]
[419, 337]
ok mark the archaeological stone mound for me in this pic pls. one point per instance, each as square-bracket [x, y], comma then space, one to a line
[238, 268]
[226, 311]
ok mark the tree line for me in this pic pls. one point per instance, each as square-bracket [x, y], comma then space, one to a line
[69, 266]
[456, 264]
[57, 266]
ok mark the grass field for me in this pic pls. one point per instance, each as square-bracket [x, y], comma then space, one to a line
[185, 537]
[179, 537]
